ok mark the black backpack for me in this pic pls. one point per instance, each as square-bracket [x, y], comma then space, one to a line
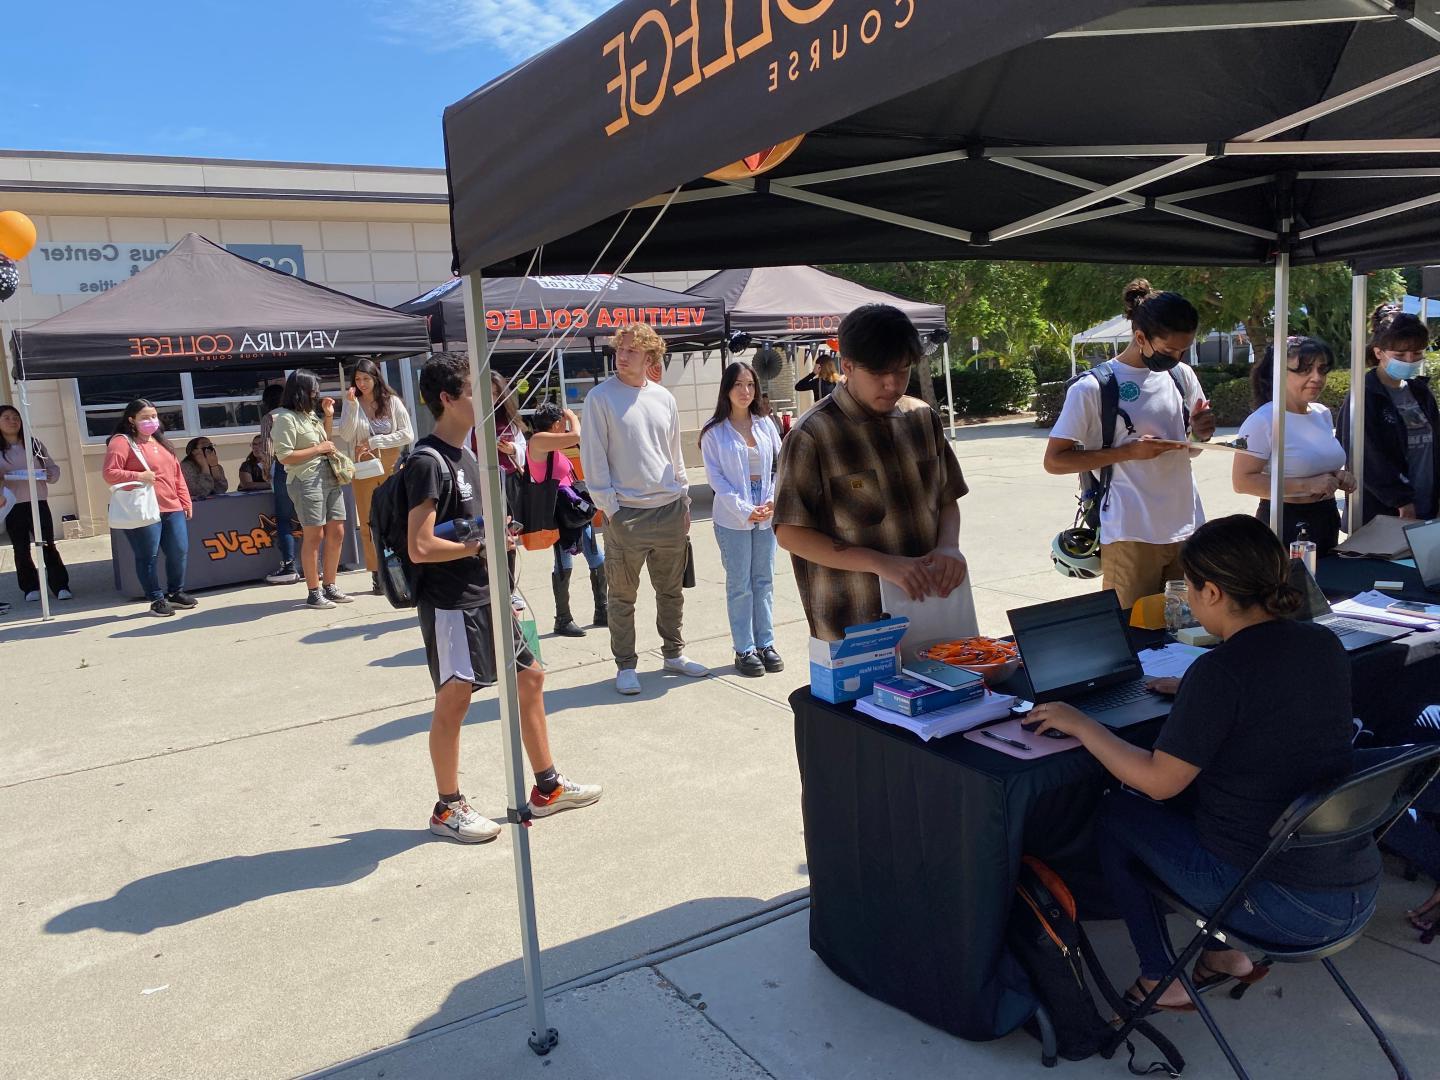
[1095, 487]
[389, 526]
[1050, 944]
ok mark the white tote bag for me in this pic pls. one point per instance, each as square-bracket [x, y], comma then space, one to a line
[133, 505]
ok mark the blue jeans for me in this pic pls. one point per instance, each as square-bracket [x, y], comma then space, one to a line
[284, 514]
[171, 535]
[589, 547]
[748, 556]
[1133, 829]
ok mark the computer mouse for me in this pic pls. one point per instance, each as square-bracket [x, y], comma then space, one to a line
[1056, 733]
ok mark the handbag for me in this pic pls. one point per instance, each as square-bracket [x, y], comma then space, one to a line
[533, 502]
[574, 509]
[368, 467]
[133, 505]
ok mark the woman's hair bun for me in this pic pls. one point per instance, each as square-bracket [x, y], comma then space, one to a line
[1135, 294]
[1383, 314]
[1284, 600]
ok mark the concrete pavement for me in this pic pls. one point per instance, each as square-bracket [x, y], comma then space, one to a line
[216, 860]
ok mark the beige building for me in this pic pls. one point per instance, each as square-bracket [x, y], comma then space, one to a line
[379, 233]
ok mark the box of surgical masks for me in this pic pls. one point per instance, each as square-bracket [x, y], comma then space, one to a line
[846, 670]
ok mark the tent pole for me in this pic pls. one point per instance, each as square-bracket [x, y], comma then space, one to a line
[37, 538]
[949, 390]
[1072, 356]
[1278, 373]
[542, 1038]
[560, 366]
[1359, 324]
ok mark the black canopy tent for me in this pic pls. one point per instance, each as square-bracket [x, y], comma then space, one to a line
[202, 307]
[1241, 132]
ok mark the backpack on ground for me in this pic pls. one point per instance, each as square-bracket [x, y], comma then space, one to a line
[389, 527]
[1050, 944]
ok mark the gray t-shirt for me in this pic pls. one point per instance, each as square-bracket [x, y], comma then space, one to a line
[1419, 446]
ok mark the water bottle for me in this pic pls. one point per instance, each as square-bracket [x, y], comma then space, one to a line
[1177, 606]
[462, 530]
[1303, 548]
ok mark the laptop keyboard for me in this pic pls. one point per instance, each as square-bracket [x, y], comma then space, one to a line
[1114, 697]
[1345, 626]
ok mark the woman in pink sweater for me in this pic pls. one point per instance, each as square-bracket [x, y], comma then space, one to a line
[138, 453]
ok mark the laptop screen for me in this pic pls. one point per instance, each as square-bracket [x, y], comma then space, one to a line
[1424, 538]
[1315, 603]
[1077, 644]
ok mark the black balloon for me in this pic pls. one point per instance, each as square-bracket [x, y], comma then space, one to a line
[9, 277]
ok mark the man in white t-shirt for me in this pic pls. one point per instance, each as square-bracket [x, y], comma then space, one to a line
[1152, 504]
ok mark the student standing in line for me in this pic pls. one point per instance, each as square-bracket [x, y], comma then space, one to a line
[139, 453]
[15, 459]
[204, 475]
[1314, 458]
[868, 487]
[556, 430]
[286, 573]
[373, 424]
[635, 469]
[1402, 455]
[740, 445]
[303, 446]
[1152, 504]
[442, 483]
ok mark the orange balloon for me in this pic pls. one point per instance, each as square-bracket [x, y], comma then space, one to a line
[17, 234]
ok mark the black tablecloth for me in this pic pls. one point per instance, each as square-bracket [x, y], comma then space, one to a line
[913, 847]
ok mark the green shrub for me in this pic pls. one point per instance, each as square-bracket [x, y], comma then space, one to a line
[1049, 400]
[1232, 404]
[1212, 376]
[989, 393]
[1050, 363]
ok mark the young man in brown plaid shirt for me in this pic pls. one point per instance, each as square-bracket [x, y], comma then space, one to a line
[867, 484]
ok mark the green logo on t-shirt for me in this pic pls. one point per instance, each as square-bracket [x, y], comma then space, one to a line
[1129, 391]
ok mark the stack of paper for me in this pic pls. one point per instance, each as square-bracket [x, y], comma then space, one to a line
[1169, 660]
[1371, 605]
[944, 722]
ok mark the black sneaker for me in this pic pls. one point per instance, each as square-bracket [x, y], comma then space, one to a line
[182, 599]
[286, 575]
[749, 665]
[317, 599]
[161, 609]
[771, 659]
[375, 586]
[335, 596]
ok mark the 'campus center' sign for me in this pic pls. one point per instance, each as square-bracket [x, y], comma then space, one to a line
[73, 267]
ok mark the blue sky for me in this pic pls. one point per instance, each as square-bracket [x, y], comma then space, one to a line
[360, 82]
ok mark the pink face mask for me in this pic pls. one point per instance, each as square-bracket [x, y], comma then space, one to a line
[148, 427]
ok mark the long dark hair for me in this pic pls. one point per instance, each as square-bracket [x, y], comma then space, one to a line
[382, 389]
[728, 379]
[1391, 327]
[5, 444]
[1245, 561]
[302, 392]
[1155, 313]
[504, 401]
[1304, 352]
[126, 424]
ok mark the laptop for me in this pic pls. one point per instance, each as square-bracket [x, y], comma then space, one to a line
[1354, 633]
[1078, 651]
[1424, 540]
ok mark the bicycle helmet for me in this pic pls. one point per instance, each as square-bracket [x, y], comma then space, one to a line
[1076, 553]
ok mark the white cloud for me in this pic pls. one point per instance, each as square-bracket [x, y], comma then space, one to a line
[519, 28]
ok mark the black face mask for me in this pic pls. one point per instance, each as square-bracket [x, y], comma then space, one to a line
[1159, 361]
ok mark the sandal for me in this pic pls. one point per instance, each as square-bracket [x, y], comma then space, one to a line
[1136, 995]
[1421, 920]
[1204, 976]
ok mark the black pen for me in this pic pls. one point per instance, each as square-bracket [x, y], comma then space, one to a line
[1008, 742]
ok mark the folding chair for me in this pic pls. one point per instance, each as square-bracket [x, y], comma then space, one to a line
[1367, 802]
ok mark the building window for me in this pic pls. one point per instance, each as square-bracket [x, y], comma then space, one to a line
[191, 403]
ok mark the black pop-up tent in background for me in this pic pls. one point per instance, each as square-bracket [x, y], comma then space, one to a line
[201, 306]
[776, 302]
[1244, 132]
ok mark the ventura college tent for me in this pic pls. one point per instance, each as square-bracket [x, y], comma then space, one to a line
[201, 306]
[800, 301]
[524, 313]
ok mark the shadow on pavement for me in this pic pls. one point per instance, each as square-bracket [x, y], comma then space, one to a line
[369, 631]
[193, 892]
[213, 616]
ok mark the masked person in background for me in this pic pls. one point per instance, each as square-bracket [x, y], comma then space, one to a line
[1402, 463]
[1152, 504]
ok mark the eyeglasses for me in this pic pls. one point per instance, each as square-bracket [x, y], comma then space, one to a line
[1306, 364]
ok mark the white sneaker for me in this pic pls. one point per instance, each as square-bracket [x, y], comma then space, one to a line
[683, 665]
[461, 821]
[64, 594]
[33, 596]
[627, 681]
[568, 796]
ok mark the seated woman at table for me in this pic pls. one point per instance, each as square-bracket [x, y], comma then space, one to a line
[1259, 720]
[204, 475]
[1314, 458]
[255, 469]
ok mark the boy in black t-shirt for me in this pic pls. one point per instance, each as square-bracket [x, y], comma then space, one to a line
[442, 486]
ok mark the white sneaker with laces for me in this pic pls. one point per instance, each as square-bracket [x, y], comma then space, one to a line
[627, 681]
[33, 596]
[568, 796]
[64, 594]
[461, 821]
[683, 665]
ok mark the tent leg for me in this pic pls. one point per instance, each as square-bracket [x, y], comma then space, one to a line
[1280, 367]
[1359, 327]
[1072, 358]
[949, 390]
[542, 1038]
[37, 538]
